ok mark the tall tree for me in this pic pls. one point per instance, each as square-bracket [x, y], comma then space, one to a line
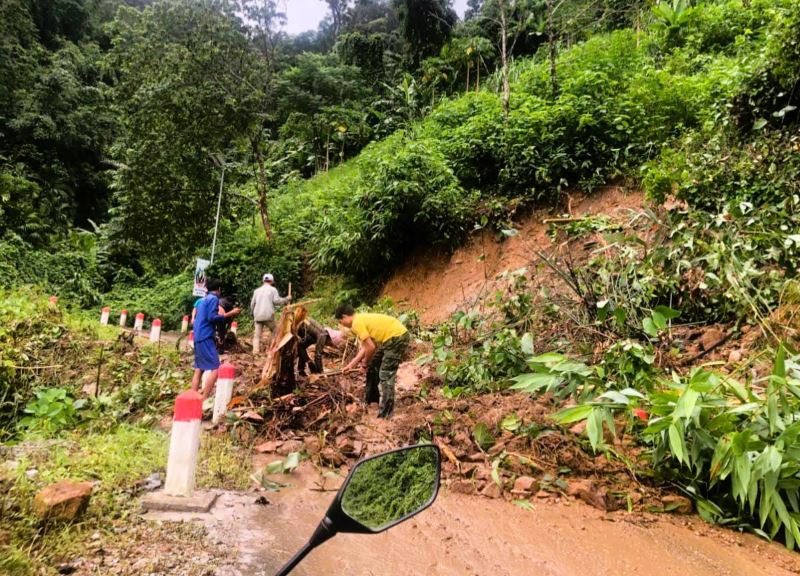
[425, 26]
[267, 35]
[338, 11]
[189, 86]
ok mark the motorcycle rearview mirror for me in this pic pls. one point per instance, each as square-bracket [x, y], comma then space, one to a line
[380, 492]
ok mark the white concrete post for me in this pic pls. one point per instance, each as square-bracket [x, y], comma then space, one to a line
[184, 324]
[234, 327]
[104, 314]
[138, 323]
[184, 444]
[191, 339]
[227, 375]
[155, 330]
[123, 318]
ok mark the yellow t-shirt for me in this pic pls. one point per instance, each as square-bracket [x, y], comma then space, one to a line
[379, 327]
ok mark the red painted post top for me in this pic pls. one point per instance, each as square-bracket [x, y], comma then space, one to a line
[53, 299]
[156, 322]
[234, 325]
[227, 371]
[191, 335]
[185, 318]
[188, 407]
[106, 309]
[125, 312]
[140, 315]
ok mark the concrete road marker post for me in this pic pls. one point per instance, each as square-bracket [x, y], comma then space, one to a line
[138, 322]
[155, 330]
[104, 314]
[184, 324]
[191, 340]
[184, 444]
[179, 494]
[123, 318]
[225, 380]
[234, 328]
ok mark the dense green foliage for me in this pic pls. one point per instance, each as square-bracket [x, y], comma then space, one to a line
[48, 358]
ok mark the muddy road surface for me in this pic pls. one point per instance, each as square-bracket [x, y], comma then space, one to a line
[473, 536]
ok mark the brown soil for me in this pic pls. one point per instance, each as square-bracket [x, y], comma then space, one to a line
[475, 528]
[436, 284]
[467, 536]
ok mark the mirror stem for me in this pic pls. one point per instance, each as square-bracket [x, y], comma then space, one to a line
[324, 532]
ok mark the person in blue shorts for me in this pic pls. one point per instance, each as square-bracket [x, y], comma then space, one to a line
[206, 357]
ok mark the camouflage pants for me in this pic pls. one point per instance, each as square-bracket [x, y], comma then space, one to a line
[382, 373]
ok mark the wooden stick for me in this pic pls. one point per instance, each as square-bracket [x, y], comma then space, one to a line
[289, 294]
[562, 220]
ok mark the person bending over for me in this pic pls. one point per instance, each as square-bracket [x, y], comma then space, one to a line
[384, 343]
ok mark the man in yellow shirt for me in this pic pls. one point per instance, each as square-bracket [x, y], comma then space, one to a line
[384, 343]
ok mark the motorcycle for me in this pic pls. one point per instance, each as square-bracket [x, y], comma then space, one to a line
[379, 493]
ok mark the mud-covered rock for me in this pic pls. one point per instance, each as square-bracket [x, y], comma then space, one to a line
[65, 500]
[525, 485]
[587, 491]
[291, 446]
[330, 456]
[492, 490]
[677, 504]
[311, 445]
[462, 487]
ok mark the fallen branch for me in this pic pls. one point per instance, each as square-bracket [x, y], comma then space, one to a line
[562, 220]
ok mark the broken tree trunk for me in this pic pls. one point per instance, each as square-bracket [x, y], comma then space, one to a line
[278, 373]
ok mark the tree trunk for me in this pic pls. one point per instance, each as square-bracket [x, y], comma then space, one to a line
[551, 41]
[262, 185]
[504, 56]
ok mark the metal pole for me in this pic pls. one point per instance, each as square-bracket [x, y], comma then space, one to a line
[219, 205]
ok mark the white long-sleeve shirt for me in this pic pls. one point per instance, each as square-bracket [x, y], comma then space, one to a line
[264, 302]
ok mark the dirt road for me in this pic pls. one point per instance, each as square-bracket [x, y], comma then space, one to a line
[472, 536]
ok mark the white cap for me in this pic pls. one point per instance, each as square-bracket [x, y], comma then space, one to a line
[268, 278]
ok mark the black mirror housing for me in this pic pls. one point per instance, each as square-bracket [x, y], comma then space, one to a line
[428, 455]
[383, 490]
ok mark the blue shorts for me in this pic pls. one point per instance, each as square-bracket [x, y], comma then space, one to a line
[206, 356]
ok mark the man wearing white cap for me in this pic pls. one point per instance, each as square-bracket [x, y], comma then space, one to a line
[262, 305]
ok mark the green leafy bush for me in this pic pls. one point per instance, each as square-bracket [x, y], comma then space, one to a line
[52, 411]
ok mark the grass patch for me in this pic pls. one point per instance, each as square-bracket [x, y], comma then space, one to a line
[115, 461]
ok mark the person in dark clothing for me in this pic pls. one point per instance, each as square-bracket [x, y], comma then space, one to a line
[222, 328]
[206, 357]
[312, 333]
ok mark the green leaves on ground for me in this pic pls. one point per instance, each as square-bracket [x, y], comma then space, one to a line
[483, 436]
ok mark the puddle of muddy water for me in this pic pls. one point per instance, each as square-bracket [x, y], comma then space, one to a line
[471, 536]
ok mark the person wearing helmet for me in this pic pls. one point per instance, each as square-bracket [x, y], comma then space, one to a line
[262, 305]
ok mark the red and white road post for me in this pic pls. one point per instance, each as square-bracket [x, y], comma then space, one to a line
[104, 314]
[234, 328]
[184, 444]
[225, 380]
[138, 322]
[191, 339]
[184, 324]
[155, 330]
[123, 318]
